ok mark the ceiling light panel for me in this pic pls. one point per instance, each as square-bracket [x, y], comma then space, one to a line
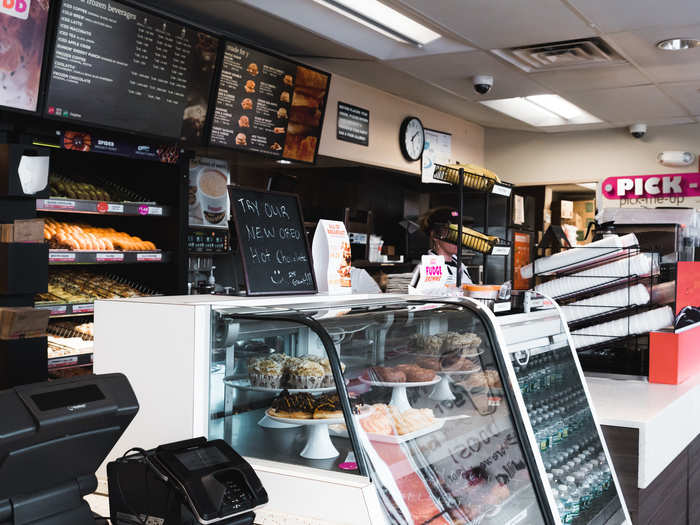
[542, 110]
[383, 19]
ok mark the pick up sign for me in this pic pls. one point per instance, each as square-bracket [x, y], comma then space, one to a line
[652, 186]
[17, 8]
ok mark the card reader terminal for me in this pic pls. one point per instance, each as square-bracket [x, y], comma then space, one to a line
[211, 477]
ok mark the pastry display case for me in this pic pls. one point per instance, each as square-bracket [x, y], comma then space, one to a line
[395, 409]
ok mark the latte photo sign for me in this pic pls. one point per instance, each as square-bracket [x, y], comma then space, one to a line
[272, 242]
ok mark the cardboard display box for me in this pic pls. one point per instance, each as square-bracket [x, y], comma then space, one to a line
[23, 230]
[23, 322]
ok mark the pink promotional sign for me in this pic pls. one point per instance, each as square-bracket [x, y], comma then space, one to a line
[652, 186]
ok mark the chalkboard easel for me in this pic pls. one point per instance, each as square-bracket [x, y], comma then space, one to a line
[272, 242]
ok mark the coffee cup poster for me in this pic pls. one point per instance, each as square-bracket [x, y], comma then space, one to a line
[208, 194]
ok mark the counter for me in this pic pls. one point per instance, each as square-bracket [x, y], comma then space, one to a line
[652, 432]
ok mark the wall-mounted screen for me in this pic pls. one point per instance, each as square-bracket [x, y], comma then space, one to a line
[22, 39]
[268, 104]
[119, 67]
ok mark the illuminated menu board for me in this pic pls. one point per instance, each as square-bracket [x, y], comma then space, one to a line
[119, 67]
[267, 104]
[22, 39]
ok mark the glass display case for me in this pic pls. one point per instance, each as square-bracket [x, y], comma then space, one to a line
[371, 410]
[426, 416]
[551, 388]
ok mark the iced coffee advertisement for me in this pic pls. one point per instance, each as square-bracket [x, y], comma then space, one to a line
[207, 193]
[23, 30]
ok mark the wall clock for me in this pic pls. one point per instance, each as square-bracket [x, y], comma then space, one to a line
[412, 138]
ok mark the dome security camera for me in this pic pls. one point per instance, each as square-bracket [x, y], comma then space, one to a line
[638, 130]
[482, 83]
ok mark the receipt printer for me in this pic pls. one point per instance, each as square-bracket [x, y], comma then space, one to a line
[184, 483]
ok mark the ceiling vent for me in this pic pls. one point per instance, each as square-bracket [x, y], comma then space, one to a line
[586, 52]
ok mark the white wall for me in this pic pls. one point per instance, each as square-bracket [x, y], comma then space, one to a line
[527, 158]
[386, 114]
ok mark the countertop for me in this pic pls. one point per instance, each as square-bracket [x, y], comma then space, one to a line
[666, 416]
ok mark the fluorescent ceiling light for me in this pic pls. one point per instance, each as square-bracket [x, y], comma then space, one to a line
[542, 110]
[383, 19]
[589, 185]
[678, 44]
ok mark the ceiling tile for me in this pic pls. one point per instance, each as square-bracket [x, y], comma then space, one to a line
[249, 24]
[590, 78]
[453, 72]
[686, 93]
[674, 121]
[638, 103]
[492, 24]
[660, 65]
[613, 16]
[403, 85]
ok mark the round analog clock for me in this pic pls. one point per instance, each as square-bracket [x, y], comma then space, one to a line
[412, 138]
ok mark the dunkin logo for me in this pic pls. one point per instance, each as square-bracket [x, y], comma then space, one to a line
[16, 8]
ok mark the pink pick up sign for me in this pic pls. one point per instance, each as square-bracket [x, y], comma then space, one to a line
[652, 186]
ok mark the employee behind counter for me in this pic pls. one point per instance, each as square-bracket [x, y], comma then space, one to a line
[434, 223]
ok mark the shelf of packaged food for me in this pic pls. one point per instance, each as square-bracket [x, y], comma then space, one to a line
[67, 309]
[144, 209]
[63, 257]
[70, 361]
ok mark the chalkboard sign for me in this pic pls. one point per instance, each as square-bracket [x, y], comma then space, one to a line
[272, 242]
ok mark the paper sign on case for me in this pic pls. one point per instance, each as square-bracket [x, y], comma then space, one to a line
[332, 258]
[432, 276]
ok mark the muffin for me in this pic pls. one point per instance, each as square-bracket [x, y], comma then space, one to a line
[265, 373]
[305, 374]
[326, 364]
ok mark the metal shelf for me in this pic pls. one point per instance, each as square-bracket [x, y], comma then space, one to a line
[70, 361]
[68, 257]
[67, 309]
[135, 209]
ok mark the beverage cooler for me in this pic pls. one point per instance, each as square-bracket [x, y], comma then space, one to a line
[372, 409]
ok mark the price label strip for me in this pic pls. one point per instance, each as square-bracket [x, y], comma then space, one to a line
[61, 257]
[149, 257]
[112, 257]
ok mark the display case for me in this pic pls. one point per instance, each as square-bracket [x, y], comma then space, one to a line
[374, 409]
[553, 394]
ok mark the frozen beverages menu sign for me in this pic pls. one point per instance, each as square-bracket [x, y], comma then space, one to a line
[124, 68]
[272, 242]
[267, 104]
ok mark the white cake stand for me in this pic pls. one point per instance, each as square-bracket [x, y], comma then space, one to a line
[318, 440]
[442, 391]
[399, 399]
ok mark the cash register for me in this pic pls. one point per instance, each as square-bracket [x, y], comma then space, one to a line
[184, 483]
[53, 436]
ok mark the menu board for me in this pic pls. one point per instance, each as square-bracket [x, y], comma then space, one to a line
[120, 67]
[272, 242]
[266, 104]
[23, 34]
